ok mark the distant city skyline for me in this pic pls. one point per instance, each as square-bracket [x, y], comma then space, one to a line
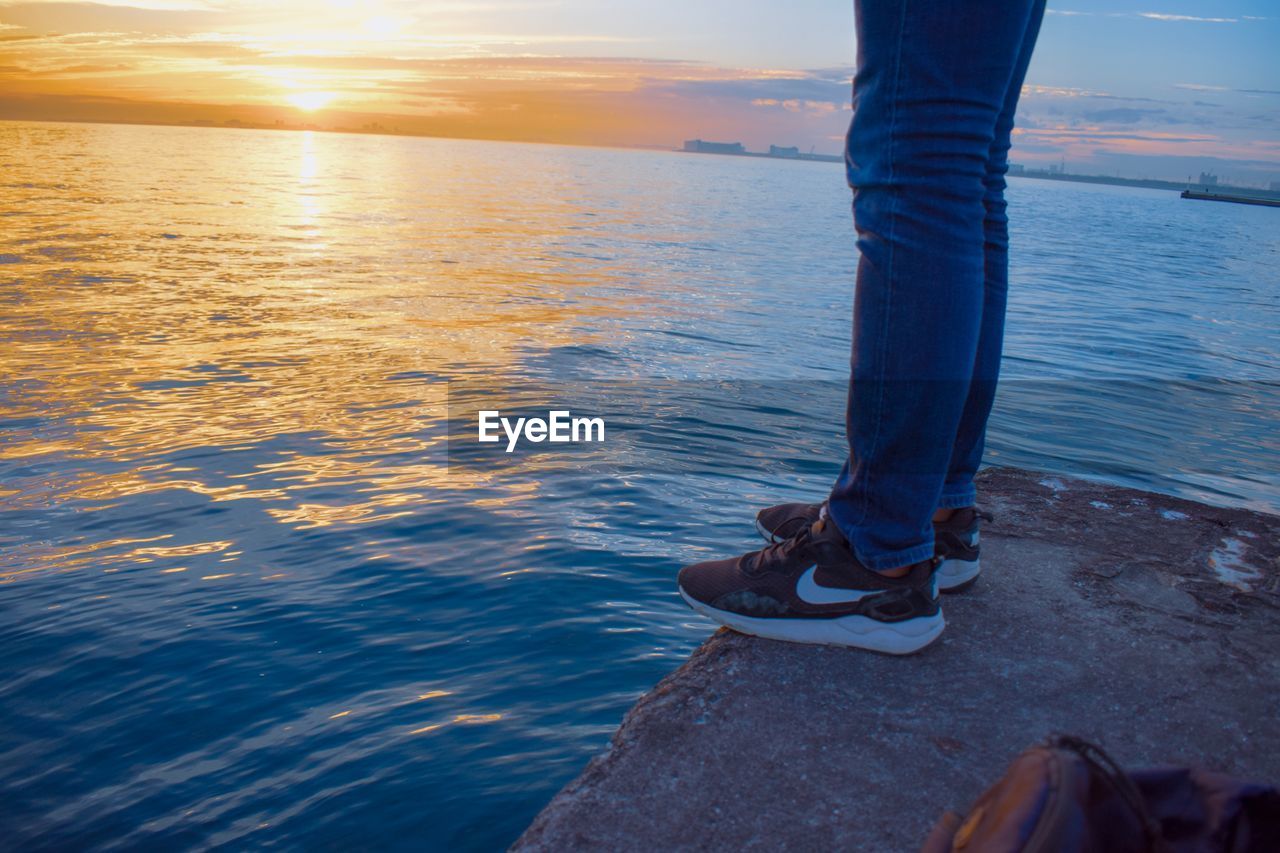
[1163, 93]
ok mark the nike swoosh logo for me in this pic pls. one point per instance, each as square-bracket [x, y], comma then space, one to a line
[811, 592]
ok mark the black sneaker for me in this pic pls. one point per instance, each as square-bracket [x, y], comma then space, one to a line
[811, 589]
[955, 540]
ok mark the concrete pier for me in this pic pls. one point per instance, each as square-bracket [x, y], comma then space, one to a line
[1258, 197]
[1146, 623]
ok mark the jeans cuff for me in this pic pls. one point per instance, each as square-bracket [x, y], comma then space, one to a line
[896, 559]
[958, 497]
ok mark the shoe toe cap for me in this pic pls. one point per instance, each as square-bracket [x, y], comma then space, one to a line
[693, 580]
[709, 580]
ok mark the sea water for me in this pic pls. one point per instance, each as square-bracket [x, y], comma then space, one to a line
[247, 600]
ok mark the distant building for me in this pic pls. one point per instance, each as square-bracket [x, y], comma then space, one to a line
[1017, 169]
[779, 151]
[701, 147]
[1207, 180]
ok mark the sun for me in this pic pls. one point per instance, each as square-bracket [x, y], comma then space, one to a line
[310, 100]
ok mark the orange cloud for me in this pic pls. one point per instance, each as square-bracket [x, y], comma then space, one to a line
[207, 77]
[440, 69]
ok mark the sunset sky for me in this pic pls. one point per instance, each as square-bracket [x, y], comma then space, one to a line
[1164, 90]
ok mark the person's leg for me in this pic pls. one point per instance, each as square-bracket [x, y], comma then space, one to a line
[966, 454]
[929, 90]
[932, 76]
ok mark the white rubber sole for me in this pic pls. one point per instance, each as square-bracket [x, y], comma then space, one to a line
[859, 632]
[955, 574]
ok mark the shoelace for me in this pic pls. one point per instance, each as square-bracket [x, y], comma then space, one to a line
[768, 558]
[979, 514]
[774, 539]
[773, 536]
[779, 547]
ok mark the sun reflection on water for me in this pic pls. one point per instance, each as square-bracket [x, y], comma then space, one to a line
[234, 310]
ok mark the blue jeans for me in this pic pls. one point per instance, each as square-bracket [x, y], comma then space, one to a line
[934, 97]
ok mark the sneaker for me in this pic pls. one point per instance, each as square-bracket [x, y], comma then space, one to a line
[811, 589]
[955, 540]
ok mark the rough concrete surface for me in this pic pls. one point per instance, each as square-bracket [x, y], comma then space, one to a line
[1146, 623]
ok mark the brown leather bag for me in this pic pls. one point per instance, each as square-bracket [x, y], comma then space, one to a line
[1067, 795]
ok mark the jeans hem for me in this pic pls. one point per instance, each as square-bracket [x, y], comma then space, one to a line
[959, 498]
[882, 561]
[897, 559]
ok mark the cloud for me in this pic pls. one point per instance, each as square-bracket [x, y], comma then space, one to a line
[798, 106]
[749, 86]
[1099, 135]
[1079, 123]
[452, 71]
[1161, 16]
[1200, 87]
[1125, 115]
[594, 100]
[90, 68]
[1061, 91]
[74, 17]
[1153, 16]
